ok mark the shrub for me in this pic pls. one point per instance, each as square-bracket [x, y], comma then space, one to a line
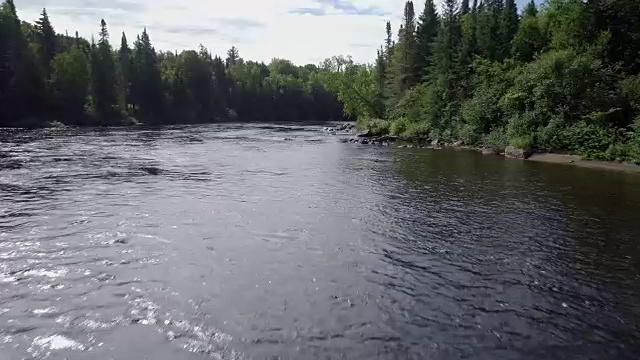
[523, 142]
[399, 126]
[421, 129]
[496, 139]
[376, 127]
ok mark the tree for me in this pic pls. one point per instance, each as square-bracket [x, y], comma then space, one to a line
[529, 40]
[232, 57]
[509, 26]
[488, 30]
[125, 66]
[103, 76]
[46, 40]
[445, 55]
[71, 78]
[147, 83]
[388, 42]
[426, 34]
[464, 7]
[403, 70]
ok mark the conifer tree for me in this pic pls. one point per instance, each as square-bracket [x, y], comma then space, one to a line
[103, 74]
[125, 70]
[426, 34]
[46, 37]
[508, 27]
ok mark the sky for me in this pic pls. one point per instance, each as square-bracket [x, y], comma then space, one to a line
[304, 31]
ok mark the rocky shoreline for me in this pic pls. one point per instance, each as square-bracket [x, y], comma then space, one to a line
[366, 138]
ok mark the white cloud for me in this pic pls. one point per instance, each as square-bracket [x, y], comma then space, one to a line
[261, 29]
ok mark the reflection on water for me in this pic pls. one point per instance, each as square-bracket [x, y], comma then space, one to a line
[229, 242]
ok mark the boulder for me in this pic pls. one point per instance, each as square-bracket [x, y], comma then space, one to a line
[435, 142]
[489, 151]
[457, 143]
[364, 141]
[515, 153]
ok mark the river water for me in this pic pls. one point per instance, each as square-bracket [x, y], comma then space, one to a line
[230, 242]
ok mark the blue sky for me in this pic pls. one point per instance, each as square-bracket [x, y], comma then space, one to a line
[305, 31]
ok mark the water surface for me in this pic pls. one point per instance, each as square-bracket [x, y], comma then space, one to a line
[231, 242]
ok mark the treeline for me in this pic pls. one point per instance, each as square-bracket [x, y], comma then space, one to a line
[562, 76]
[45, 76]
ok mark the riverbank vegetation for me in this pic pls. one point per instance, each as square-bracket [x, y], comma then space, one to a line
[47, 77]
[562, 76]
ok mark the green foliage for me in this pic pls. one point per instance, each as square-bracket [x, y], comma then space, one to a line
[375, 127]
[496, 140]
[523, 142]
[71, 78]
[420, 129]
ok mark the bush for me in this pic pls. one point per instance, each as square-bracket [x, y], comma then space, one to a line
[421, 129]
[399, 126]
[376, 127]
[496, 139]
[523, 142]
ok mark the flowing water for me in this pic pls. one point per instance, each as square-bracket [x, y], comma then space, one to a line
[230, 242]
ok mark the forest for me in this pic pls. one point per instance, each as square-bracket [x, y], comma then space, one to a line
[560, 76]
[49, 77]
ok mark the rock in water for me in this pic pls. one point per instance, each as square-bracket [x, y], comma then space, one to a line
[515, 153]
[364, 134]
[489, 151]
[435, 142]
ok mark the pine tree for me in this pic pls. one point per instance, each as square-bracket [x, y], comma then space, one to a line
[403, 69]
[446, 57]
[529, 39]
[426, 34]
[488, 30]
[46, 37]
[147, 83]
[125, 67]
[103, 74]
[410, 46]
[464, 7]
[508, 27]
[22, 89]
[381, 74]
[232, 57]
[388, 43]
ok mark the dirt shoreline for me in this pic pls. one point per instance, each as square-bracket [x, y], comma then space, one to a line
[577, 161]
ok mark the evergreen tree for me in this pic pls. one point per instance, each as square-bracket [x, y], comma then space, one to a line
[103, 75]
[388, 43]
[446, 57]
[125, 63]
[464, 7]
[147, 83]
[426, 34]
[232, 57]
[509, 27]
[46, 40]
[488, 30]
[529, 39]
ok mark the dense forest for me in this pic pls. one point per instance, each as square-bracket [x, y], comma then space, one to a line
[47, 77]
[562, 76]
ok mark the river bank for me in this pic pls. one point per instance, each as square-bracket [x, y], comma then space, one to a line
[510, 152]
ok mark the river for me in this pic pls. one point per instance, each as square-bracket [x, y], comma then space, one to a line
[230, 242]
